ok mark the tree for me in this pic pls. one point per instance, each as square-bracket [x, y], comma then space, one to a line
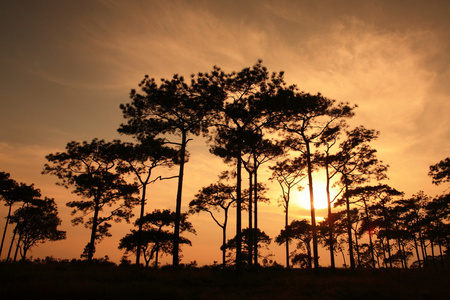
[305, 118]
[12, 193]
[37, 222]
[155, 236]
[440, 172]
[302, 232]
[288, 173]
[172, 108]
[89, 169]
[263, 241]
[357, 163]
[383, 212]
[239, 126]
[141, 159]
[215, 197]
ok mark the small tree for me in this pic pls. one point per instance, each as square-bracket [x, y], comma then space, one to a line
[155, 236]
[302, 232]
[90, 170]
[263, 241]
[215, 197]
[12, 193]
[140, 160]
[37, 222]
[288, 173]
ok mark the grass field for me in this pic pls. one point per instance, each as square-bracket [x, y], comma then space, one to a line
[80, 281]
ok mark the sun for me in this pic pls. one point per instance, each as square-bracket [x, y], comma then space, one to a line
[302, 198]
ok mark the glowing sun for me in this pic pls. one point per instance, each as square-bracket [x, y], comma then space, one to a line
[320, 196]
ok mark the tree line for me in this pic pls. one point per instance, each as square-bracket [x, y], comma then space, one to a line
[249, 118]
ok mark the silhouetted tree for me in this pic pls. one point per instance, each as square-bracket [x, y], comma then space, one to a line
[302, 232]
[37, 222]
[173, 108]
[215, 197]
[155, 237]
[239, 126]
[13, 193]
[90, 170]
[440, 172]
[141, 159]
[288, 173]
[263, 241]
[327, 141]
[383, 213]
[305, 118]
[356, 162]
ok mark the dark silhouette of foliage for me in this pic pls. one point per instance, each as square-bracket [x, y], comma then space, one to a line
[174, 108]
[440, 172]
[239, 127]
[215, 197]
[90, 170]
[302, 232]
[37, 221]
[263, 241]
[304, 120]
[288, 173]
[356, 163]
[13, 193]
[155, 237]
[141, 159]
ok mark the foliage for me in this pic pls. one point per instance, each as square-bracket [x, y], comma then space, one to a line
[90, 170]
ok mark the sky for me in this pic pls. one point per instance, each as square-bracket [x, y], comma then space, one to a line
[66, 66]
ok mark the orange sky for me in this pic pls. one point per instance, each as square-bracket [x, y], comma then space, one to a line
[65, 66]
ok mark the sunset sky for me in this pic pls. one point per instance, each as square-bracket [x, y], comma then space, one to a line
[65, 66]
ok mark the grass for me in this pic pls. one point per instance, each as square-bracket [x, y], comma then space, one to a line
[80, 281]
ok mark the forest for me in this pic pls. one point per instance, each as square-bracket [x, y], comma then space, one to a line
[252, 119]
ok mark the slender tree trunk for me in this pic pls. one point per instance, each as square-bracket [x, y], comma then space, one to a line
[366, 210]
[141, 215]
[176, 242]
[358, 258]
[313, 210]
[388, 245]
[349, 227]
[224, 241]
[330, 219]
[441, 255]
[432, 252]
[417, 250]
[12, 243]
[250, 218]
[238, 212]
[6, 227]
[17, 247]
[93, 231]
[286, 228]
[255, 199]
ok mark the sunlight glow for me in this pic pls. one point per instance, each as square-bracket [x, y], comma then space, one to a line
[320, 196]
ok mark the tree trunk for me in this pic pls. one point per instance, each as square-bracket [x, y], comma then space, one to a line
[93, 231]
[330, 219]
[176, 242]
[12, 243]
[286, 228]
[250, 218]
[349, 227]
[6, 227]
[255, 199]
[139, 234]
[238, 212]
[313, 210]
[417, 250]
